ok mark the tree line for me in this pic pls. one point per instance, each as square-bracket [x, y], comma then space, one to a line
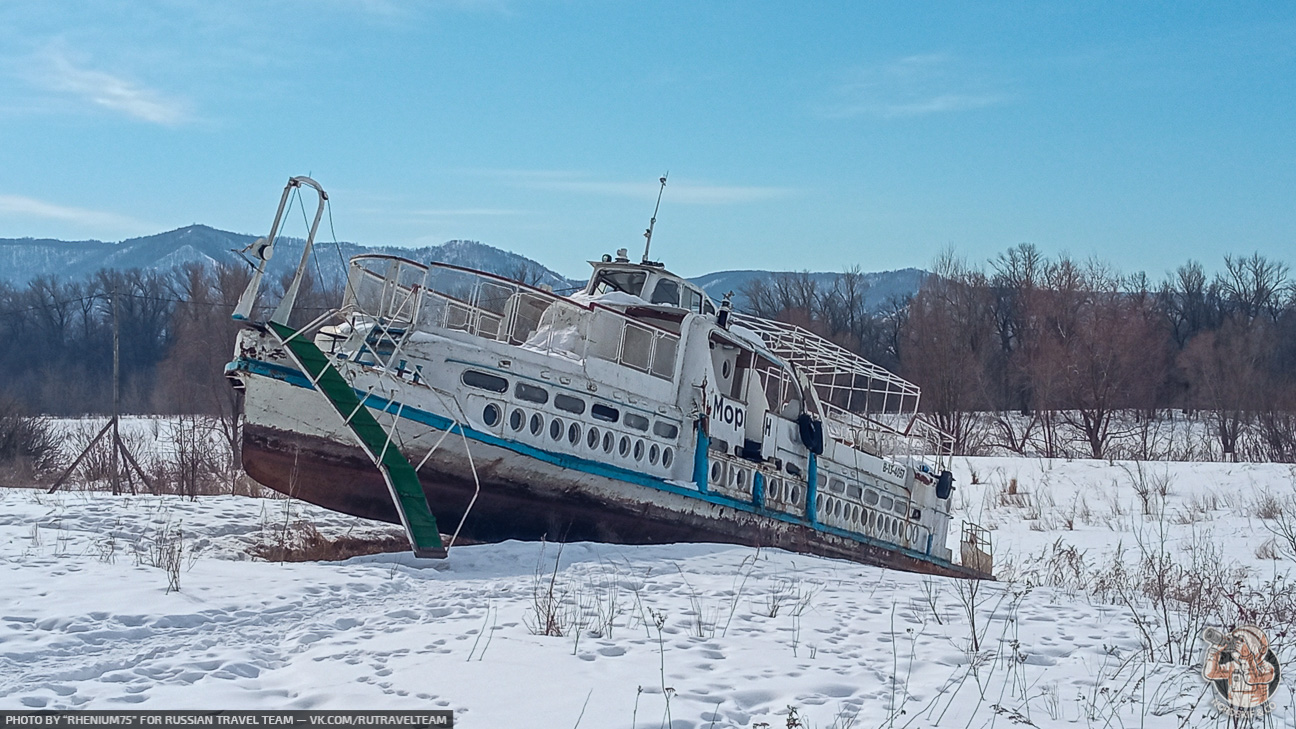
[174, 329]
[1054, 356]
[1026, 353]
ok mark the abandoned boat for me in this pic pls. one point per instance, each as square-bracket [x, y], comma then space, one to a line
[637, 411]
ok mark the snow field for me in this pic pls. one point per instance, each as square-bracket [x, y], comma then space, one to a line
[686, 636]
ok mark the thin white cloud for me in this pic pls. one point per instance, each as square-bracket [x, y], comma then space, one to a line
[55, 72]
[912, 86]
[677, 191]
[20, 206]
[466, 213]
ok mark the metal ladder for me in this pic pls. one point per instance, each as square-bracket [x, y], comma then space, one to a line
[401, 478]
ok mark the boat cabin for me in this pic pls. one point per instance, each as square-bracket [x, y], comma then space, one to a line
[649, 281]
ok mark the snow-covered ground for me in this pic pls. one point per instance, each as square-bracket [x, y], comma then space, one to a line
[692, 636]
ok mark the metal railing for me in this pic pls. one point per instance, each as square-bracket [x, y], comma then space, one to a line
[495, 308]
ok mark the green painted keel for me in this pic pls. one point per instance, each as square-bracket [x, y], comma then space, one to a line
[402, 480]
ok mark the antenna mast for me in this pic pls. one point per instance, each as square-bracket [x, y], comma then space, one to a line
[648, 233]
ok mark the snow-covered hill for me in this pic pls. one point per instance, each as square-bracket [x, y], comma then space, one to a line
[22, 259]
[687, 636]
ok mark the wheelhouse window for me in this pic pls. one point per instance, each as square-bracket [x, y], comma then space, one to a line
[630, 282]
[666, 292]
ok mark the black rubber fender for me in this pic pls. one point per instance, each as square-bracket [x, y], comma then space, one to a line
[944, 485]
[811, 433]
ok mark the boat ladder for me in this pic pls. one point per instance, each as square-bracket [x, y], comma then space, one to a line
[401, 478]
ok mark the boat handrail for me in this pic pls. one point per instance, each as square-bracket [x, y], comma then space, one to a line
[390, 257]
[500, 309]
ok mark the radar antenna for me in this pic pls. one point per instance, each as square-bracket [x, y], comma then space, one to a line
[648, 233]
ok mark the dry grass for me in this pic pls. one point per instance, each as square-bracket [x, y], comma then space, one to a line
[302, 542]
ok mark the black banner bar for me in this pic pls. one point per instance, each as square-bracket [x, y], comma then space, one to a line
[265, 719]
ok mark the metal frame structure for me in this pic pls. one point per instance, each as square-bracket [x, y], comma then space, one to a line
[835, 372]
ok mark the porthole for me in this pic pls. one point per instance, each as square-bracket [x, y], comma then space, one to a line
[638, 450]
[636, 421]
[653, 453]
[592, 438]
[772, 488]
[537, 424]
[668, 457]
[624, 446]
[717, 472]
[855, 514]
[792, 495]
[574, 433]
[724, 370]
[740, 479]
[608, 441]
[517, 419]
[556, 429]
[665, 430]
[837, 509]
[483, 381]
[491, 415]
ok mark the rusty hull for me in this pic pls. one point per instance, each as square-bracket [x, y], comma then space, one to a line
[341, 478]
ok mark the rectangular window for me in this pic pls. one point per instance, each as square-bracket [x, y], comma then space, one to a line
[484, 381]
[531, 393]
[605, 413]
[665, 430]
[569, 403]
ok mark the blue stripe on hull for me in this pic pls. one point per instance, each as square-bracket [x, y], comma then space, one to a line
[575, 463]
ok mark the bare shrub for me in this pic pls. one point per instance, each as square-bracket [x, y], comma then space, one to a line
[972, 597]
[1282, 524]
[550, 612]
[197, 462]
[1267, 506]
[29, 448]
[1151, 488]
[163, 547]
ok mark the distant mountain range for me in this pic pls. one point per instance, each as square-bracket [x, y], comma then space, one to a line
[23, 259]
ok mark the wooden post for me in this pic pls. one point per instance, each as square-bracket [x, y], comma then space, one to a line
[116, 433]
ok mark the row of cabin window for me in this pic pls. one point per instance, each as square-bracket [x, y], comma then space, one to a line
[567, 403]
[870, 497]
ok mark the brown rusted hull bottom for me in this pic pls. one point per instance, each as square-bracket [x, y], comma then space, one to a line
[341, 478]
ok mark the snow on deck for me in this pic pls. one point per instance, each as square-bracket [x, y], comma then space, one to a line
[735, 636]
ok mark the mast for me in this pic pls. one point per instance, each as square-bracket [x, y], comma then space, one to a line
[648, 233]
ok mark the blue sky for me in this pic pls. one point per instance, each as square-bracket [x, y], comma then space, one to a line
[797, 136]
